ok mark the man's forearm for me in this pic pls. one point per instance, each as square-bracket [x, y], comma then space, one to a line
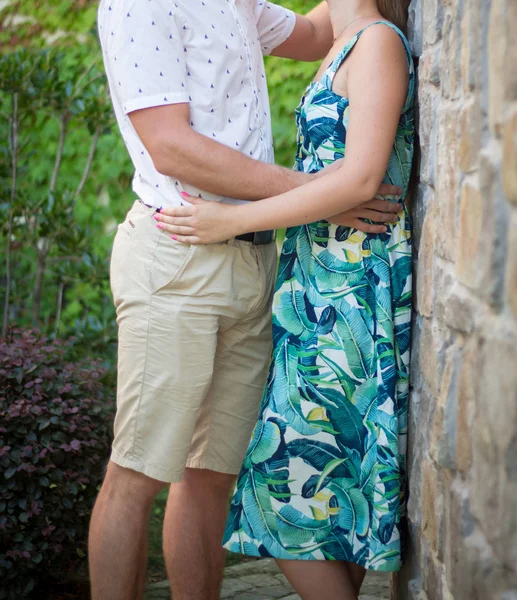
[211, 166]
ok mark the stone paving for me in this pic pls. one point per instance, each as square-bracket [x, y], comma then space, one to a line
[262, 580]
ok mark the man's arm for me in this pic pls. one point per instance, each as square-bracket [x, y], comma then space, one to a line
[312, 36]
[180, 152]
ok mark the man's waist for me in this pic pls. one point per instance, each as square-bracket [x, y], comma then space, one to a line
[256, 238]
[167, 193]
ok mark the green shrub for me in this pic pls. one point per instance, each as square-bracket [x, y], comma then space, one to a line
[54, 444]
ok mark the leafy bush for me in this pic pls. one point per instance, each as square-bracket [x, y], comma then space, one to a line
[55, 424]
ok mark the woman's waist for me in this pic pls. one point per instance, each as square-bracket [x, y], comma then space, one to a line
[323, 231]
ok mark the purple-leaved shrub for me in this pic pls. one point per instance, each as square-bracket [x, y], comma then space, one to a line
[55, 428]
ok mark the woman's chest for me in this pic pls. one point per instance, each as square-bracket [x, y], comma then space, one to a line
[322, 114]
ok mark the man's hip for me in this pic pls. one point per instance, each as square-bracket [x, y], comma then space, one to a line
[194, 344]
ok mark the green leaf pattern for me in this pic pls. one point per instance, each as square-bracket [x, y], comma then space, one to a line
[324, 475]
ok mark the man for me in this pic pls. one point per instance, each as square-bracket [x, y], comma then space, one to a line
[189, 91]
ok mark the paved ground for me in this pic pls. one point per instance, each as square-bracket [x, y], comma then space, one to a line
[261, 580]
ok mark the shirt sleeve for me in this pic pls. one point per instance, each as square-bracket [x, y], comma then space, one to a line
[274, 23]
[144, 52]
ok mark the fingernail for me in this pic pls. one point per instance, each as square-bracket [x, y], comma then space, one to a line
[173, 237]
[159, 225]
[184, 194]
[155, 217]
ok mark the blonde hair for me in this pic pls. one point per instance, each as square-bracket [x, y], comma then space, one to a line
[395, 11]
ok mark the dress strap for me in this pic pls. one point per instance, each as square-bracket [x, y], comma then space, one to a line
[340, 58]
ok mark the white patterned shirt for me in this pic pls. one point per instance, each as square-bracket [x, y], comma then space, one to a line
[208, 53]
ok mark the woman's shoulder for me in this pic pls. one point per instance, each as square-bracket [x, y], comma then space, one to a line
[383, 36]
[384, 42]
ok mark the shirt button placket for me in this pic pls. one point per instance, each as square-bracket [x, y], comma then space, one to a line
[251, 79]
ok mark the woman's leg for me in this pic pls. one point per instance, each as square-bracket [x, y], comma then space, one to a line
[357, 575]
[316, 579]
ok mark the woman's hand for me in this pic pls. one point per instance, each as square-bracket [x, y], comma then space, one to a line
[201, 223]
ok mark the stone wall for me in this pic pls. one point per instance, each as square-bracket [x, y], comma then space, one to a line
[463, 424]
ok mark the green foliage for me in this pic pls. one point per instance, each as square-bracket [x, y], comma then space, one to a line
[54, 109]
[55, 187]
[36, 22]
[60, 230]
[54, 444]
[287, 80]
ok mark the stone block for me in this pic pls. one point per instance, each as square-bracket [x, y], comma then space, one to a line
[451, 53]
[444, 279]
[468, 391]
[471, 221]
[447, 182]
[423, 201]
[511, 266]
[470, 49]
[432, 21]
[434, 575]
[497, 64]
[511, 56]
[462, 310]
[510, 158]
[493, 494]
[415, 27]
[429, 355]
[424, 273]
[233, 586]
[431, 503]
[443, 437]
[429, 66]
[470, 135]
[428, 101]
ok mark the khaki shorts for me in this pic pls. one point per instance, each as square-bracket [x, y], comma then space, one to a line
[194, 348]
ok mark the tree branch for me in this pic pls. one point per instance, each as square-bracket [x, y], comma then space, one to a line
[88, 164]
[14, 170]
[59, 156]
[59, 307]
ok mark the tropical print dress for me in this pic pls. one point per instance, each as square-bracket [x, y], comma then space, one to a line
[323, 477]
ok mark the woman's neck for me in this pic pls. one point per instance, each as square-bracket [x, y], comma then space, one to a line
[344, 12]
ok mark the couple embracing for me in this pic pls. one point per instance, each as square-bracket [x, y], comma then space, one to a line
[290, 375]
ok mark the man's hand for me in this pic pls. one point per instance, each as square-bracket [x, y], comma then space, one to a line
[379, 211]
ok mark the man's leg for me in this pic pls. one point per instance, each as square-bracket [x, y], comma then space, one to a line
[193, 531]
[118, 534]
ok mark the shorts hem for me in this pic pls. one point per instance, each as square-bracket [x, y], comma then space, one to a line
[210, 465]
[157, 473]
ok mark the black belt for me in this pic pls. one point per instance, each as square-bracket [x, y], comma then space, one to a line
[257, 238]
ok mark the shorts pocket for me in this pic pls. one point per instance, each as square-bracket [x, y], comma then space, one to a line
[170, 262]
[127, 227]
[120, 254]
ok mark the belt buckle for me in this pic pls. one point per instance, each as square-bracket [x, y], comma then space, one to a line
[261, 238]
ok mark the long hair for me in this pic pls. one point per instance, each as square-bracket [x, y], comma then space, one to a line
[395, 11]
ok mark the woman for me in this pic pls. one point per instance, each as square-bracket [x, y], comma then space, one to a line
[323, 478]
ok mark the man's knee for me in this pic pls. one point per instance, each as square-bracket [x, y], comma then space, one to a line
[126, 483]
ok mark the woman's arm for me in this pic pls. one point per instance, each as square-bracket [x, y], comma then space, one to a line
[377, 88]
